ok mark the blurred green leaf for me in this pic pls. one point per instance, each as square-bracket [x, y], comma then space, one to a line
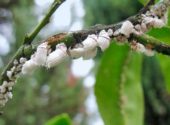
[120, 102]
[165, 67]
[156, 103]
[132, 91]
[107, 87]
[104, 11]
[161, 34]
[169, 17]
[144, 2]
[59, 120]
[2, 121]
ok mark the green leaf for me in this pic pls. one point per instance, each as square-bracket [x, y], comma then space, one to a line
[132, 91]
[144, 2]
[161, 34]
[165, 67]
[168, 17]
[107, 87]
[154, 89]
[119, 102]
[59, 120]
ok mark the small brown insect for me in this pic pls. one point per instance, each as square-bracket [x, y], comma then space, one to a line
[56, 38]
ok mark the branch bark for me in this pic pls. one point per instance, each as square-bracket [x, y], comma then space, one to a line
[153, 44]
[149, 4]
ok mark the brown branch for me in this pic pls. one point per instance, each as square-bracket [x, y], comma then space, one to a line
[153, 44]
[146, 8]
[70, 39]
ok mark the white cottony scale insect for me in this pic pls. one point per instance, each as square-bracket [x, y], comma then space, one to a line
[90, 42]
[148, 20]
[10, 84]
[138, 47]
[13, 69]
[10, 88]
[90, 54]
[15, 62]
[110, 32]
[138, 27]
[40, 56]
[77, 51]
[103, 40]
[9, 74]
[9, 95]
[158, 23]
[141, 48]
[90, 46]
[143, 27]
[57, 56]
[126, 28]
[29, 66]
[149, 52]
[154, 21]
[5, 84]
[2, 89]
[22, 60]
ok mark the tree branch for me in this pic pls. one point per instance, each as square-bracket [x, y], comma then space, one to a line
[71, 39]
[26, 49]
[29, 37]
[148, 5]
[153, 44]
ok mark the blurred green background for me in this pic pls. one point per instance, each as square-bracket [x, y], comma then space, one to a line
[47, 93]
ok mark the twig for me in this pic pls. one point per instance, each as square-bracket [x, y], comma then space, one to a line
[26, 49]
[29, 37]
[145, 8]
[77, 37]
[153, 44]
